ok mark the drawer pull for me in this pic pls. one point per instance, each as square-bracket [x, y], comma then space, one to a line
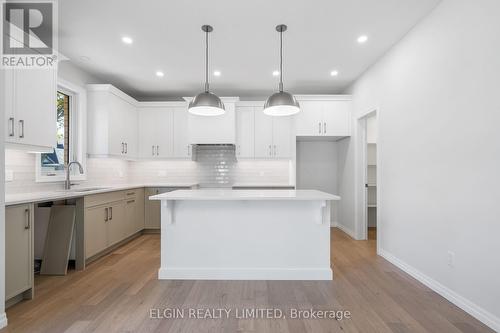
[130, 201]
[106, 214]
[130, 193]
[110, 213]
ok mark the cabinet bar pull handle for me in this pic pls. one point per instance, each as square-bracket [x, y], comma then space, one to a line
[153, 150]
[319, 128]
[130, 193]
[28, 222]
[106, 214]
[130, 201]
[123, 147]
[324, 127]
[11, 126]
[126, 148]
[157, 150]
[274, 150]
[21, 124]
[270, 151]
[110, 213]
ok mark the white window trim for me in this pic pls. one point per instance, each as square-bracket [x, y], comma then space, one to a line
[78, 109]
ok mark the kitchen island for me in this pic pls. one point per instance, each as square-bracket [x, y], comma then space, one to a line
[226, 234]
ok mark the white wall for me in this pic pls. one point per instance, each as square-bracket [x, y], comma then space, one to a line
[3, 318]
[439, 152]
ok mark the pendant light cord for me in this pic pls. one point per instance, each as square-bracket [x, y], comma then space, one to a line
[281, 61]
[206, 62]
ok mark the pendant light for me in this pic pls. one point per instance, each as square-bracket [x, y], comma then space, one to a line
[206, 103]
[281, 103]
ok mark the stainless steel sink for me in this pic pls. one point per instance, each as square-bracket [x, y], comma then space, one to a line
[86, 189]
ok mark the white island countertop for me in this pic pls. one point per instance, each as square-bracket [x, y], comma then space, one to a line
[229, 194]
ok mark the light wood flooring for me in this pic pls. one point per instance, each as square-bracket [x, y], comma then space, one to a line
[116, 293]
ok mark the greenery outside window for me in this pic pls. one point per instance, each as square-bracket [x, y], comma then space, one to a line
[70, 131]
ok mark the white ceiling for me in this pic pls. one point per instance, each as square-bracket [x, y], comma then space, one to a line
[321, 37]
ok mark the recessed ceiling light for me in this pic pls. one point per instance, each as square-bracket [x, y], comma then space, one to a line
[276, 73]
[334, 73]
[216, 73]
[127, 40]
[160, 74]
[362, 39]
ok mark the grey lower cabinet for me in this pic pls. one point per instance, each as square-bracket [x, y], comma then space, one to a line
[111, 218]
[152, 215]
[19, 251]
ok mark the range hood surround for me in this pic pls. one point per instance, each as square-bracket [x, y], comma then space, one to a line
[219, 129]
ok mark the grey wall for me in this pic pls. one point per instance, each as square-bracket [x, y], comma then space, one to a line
[317, 168]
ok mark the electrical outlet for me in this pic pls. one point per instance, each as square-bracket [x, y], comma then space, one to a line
[451, 259]
[9, 175]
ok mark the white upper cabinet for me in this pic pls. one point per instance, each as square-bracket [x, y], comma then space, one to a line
[324, 116]
[245, 132]
[156, 128]
[214, 129]
[182, 148]
[274, 136]
[112, 122]
[30, 109]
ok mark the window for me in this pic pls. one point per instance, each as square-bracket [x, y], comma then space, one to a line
[53, 163]
[70, 130]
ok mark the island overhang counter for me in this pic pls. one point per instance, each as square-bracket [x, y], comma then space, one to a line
[226, 234]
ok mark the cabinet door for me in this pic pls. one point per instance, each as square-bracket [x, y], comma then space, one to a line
[18, 250]
[130, 129]
[263, 134]
[283, 136]
[116, 126]
[35, 107]
[139, 220]
[336, 118]
[130, 217]
[95, 219]
[245, 132]
[152, 209]
[117, 224]
[164, 132]
[182, 148]
[309, 120]
[147, 128]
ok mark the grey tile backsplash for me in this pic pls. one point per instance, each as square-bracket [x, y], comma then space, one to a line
[216, 164]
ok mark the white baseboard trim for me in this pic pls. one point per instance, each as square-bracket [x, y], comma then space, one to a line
[245, 274]
[344, 229]
[3, 320]
[471, 308]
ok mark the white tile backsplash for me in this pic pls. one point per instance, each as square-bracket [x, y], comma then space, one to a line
[108, 171]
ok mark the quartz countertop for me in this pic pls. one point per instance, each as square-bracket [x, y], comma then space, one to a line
[262, 185]
[228, 194]
[80, 191]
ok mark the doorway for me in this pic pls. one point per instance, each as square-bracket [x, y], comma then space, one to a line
[371, 177]
[368, 177]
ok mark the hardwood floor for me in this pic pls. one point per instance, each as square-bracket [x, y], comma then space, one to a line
[116, 293]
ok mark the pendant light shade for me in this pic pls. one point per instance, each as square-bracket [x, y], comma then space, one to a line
[206, 103]
[281, 103]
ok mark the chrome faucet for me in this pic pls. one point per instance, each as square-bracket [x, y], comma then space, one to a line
[67, 182]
